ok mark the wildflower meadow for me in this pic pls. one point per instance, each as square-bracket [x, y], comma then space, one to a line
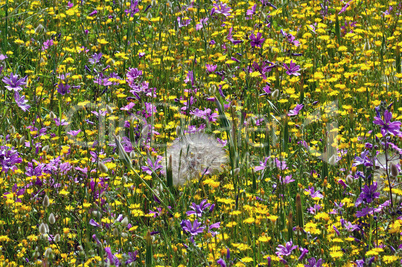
[200, 133]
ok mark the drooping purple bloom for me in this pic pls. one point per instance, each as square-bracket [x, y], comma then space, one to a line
[133, 8]
[94, 223]
[93, 13]
[256, 41]
[292, 69]
[304, 252]
[363, 159]
[296, 110]
[132, 257]
[74, 133]
[21, 101]
[14, 83]
[221, 262]
[388, 127]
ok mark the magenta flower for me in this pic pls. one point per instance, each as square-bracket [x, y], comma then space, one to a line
[388, 127]
[14, 83]
[256, 41]
[292, 69]
[21, 101]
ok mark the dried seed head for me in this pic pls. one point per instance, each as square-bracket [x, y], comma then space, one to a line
[45, 148]
[194, 155]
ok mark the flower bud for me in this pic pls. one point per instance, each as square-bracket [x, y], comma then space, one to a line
[102, 167]
[275, 94]
[394, 170]
[124, 222]
[45, 148]
[109, 109]
[178, 131]
[57, 238]
[132, 154]
[52, 219]
[43, 228]
[48, 252]
[46, 201]
[332, 160]
[52, 116]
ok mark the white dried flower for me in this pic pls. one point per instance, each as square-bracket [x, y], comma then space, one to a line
[193, 155]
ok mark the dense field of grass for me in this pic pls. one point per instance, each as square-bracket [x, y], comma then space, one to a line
[200, 133]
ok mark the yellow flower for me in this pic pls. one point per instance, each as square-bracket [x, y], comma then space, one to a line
[389, 259]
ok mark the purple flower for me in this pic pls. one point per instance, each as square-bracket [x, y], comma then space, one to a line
[132, 257]
[312, 262]
[304, 252]
[363, 159]
[95, 58]
[314, 193]
[392, 128]
[256, 41]
[221, 262]
[198, 210]
[63, 88]
[345, 7]
[262, 166]
[94, 223]
[74, 133]
[220, 8]
[8, 158]
[296, 110]
[183, 22]
[211, 68]
[21, 101]
[14, 83]
[368, 194]
[285, 250]
[364, 212]
[3, 57]
[292, 69]
[287, 180]
[47, 44]
[152, 167]
[93, 13]
[193, 229]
